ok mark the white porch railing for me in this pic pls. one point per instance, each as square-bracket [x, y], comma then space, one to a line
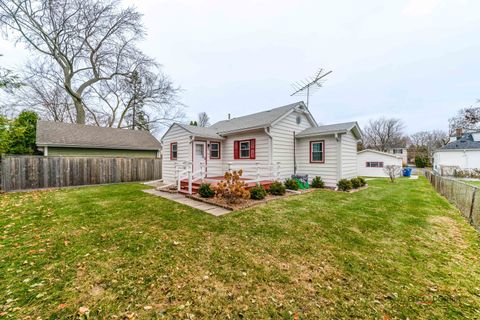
[254, 172]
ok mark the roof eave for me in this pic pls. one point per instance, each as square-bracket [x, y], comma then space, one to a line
[316, 134]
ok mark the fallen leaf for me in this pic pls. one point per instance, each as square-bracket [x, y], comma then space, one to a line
[62, 306]
[83, 310]
[147, 307]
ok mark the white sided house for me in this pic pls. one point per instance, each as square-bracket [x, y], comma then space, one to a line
[463, 154]
[268, 145]
[371, 163]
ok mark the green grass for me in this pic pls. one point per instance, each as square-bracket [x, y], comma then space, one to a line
[392, 251]
[475, 183]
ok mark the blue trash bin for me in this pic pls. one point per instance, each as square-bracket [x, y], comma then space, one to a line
[407, 172]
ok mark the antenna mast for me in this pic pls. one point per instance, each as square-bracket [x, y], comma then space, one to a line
[311, 84]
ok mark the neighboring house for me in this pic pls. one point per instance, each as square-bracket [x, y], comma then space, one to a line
[463, 153]
[371, 163]
[400, 151]
[271, 144]
[76, 140]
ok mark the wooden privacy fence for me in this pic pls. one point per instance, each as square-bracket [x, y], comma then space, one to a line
[464, 196]
[33, 172]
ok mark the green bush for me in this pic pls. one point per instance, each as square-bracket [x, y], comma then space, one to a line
[258, 192]
[205, 190]
[344, 185]
[422, 161]
[363, 182]
[291, 184]
[317, 182]
[356, 183]
[277, 189]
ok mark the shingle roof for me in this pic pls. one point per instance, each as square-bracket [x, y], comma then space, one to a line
[204, 132]
[327, 129]
[255, 120]
[466, 142]
[83, 136]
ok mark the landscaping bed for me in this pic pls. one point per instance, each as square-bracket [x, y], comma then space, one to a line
[245, 203]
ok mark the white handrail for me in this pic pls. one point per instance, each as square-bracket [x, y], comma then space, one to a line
[258, 170]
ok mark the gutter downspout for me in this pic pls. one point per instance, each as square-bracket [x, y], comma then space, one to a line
[294, 153]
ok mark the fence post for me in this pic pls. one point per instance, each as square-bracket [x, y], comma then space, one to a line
[470, 216]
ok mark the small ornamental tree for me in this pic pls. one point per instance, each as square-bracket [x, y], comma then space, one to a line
[392, 171]
[232, 189]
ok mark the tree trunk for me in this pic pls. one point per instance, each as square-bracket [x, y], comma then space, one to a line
[80, 111]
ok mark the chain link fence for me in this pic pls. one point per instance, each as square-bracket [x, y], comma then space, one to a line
[463, 195]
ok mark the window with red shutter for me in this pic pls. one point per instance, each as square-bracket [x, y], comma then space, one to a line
[252, 148]
[236, 149]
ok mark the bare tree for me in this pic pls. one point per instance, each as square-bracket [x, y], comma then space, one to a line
[382, 134]
[203, 119]
[393, 171]
[467, 119]
[426, 142]
[8, 80]
[89, 41]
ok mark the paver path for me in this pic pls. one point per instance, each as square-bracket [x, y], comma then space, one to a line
[208, 208]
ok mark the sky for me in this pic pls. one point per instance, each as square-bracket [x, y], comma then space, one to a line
[417, 60]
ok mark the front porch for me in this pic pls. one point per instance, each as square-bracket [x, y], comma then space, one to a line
[188, 182]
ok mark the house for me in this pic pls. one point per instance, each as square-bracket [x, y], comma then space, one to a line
[267, 145]
[463, 153]
[371, 163]
[400, 151]
[76, 140]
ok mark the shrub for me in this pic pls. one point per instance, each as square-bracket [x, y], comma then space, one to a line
[232, 189]
[363, 182]
[344, 185]
[291, 184]
[258, 192]
[277, 189]
[317, 182]
[356, 183]
[206, 191]
[422, 161]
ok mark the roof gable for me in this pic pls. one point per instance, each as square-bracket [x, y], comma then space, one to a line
[85, 136]
[256, 120]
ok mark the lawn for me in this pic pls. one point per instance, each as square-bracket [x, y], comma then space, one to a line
[392, 251]
[475, 183]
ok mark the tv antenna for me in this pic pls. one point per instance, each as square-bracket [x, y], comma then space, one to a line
[311, 84]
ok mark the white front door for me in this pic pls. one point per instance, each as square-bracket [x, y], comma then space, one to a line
[199, 154]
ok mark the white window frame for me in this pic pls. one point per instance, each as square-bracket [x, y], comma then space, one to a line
[240, 149]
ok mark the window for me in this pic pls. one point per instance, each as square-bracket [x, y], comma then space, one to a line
[398, 151]
[374, 164]
[173, 151]
[317, 151]
[244, 149]
[214, 150]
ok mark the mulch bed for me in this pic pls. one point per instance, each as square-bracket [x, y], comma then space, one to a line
[244, 203]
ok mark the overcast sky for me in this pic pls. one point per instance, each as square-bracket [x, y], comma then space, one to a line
[417, 60]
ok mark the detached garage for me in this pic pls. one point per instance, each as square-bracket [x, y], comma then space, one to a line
[370, 163]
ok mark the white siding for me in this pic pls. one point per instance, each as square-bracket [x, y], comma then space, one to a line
[349, 156]
[328, 170]
[215, 166]
[182, 138]
[468, 159]
[369, 156]
[282, 141]
[262, 147]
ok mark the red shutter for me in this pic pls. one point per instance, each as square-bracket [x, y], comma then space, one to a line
[252, 148]
[236, 149]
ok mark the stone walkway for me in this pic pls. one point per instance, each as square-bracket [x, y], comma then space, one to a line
[205, 207]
